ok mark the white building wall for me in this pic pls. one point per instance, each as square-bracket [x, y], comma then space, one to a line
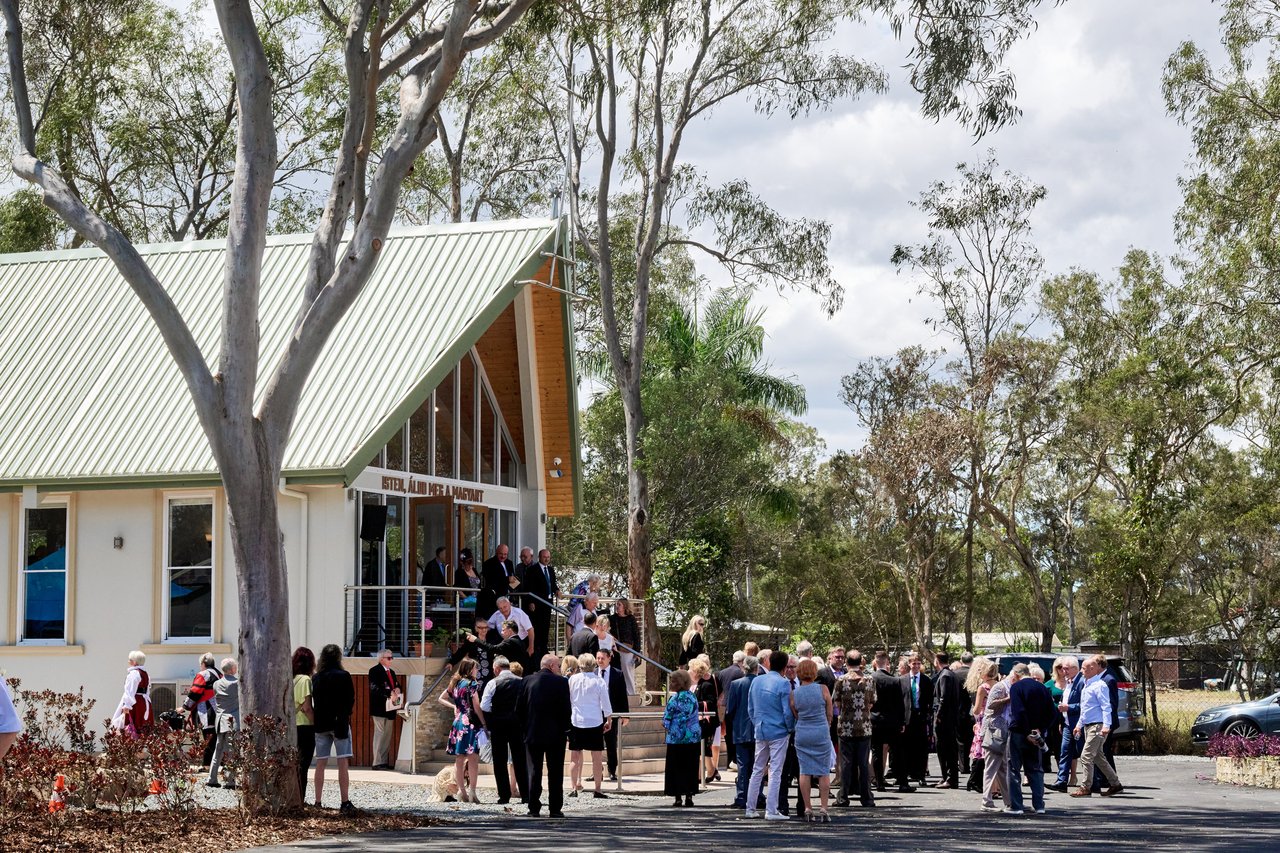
[116, 590]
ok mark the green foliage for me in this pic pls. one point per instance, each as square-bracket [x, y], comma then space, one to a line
[690, 577]
[26, 225]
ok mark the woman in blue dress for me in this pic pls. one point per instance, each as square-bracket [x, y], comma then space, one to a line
[811, 703]
[468, 721]
[683, 738]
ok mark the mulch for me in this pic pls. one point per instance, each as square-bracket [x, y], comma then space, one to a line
[199, 830]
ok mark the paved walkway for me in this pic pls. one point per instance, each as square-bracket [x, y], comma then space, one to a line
[1169, 804]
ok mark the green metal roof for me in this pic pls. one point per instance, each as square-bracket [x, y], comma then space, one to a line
[90, 396]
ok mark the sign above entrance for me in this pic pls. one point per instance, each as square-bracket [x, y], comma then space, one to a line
[406, 484]
[410, 486]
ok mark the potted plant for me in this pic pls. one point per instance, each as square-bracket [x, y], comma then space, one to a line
[1246, 761]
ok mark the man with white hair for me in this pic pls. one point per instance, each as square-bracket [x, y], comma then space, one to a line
[227, 697]
[724, 678]
[524, 625]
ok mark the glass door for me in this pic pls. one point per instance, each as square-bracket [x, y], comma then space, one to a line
[431, 527]
[473, 531]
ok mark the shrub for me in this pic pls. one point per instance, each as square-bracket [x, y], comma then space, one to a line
[264, 761]
[1235, 746]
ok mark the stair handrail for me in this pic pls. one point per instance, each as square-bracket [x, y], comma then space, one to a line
[412, 712]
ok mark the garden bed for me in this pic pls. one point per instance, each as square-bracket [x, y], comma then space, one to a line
[1246, 761]
[201, 829]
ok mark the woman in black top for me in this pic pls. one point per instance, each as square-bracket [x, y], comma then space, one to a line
[692, 643]
[466, 577]
[708, 696]
[625, 629]
[333, 697]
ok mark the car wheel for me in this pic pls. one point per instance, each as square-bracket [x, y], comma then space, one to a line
[1243, 728]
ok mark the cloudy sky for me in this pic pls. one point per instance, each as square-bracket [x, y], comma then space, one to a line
[1093, 131]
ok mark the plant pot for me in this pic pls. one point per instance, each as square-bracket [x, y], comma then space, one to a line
[1261, 772]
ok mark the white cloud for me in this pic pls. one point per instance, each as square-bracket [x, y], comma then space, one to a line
[1093, 131]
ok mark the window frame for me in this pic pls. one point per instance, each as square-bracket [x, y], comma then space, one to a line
[190, 499]
[65, 503]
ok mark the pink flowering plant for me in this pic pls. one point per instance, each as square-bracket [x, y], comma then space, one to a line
[1235, 746]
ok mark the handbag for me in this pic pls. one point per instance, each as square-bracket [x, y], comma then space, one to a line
[993, 738]
[486, 747]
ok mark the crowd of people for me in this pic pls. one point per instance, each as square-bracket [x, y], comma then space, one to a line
[786, 720]
[797, 721]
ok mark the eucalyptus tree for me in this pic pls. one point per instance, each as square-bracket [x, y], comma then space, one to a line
[639, 76]
[1228, 220]
[496, 156]
[137, 110]
[979, 266]
[913, 447]
[1148, 382]
[415, 48]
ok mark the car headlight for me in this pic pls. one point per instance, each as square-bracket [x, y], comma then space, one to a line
[1208, 717]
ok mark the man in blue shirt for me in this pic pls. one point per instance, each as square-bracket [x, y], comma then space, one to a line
[769, 706]
[1096, 715]
[744, 731]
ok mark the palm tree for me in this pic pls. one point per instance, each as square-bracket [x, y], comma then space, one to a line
[727, 339]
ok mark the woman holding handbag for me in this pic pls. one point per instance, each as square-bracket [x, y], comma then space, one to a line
[995, 736]
[464, 735]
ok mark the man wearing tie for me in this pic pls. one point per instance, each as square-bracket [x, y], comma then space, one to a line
[917, 734]
[496, 574]
[618, 702]
[540, 580]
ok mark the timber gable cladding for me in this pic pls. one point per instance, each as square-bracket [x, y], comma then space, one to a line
[90, 397]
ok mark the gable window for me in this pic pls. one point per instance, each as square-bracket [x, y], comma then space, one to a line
[44, 575]
[188, 570]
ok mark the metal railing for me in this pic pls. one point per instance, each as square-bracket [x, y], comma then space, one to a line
[411, 713]
[385, 616]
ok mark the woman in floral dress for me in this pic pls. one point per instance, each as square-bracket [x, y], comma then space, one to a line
[464, 735]
[683, 737]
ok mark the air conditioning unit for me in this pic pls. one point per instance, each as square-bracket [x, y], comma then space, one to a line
[165, 696]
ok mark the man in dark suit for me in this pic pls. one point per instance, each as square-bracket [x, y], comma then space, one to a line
[499, 706]
[496, 574]
[540, 580]
[544, 712]
[1069, 708]
[584, 639]
[920, 691]
[436, 572]
[512, 647]
[618, 702]
[1031, 714]
[724, 678]
[383, 686]
[948, 711]
[889, 720]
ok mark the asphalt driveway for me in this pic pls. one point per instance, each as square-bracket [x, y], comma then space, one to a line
[1168, 804]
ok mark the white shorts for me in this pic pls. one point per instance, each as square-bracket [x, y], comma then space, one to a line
[326, 743]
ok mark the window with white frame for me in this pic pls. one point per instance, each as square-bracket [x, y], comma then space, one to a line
[44, 575]
[188, 569]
